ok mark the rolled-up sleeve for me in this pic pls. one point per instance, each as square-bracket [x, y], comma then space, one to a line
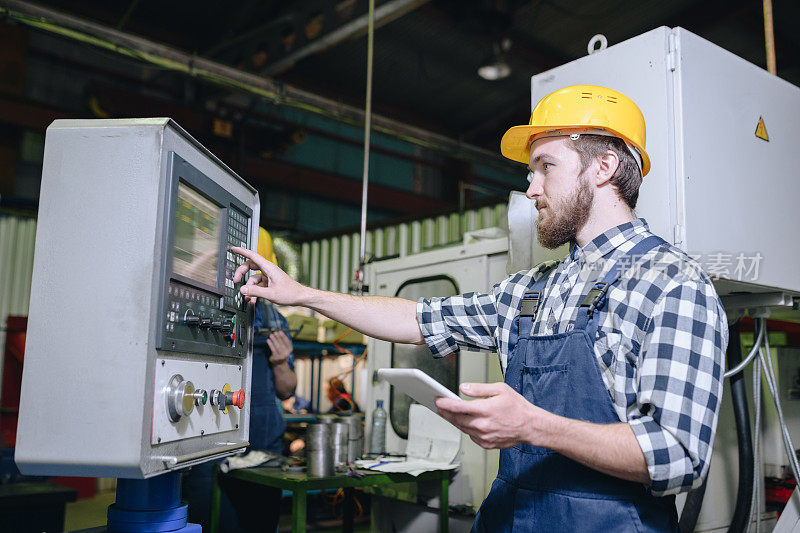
[680, 386]
[466, 321]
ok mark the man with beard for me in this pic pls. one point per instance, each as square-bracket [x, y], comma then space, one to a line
[612, 358]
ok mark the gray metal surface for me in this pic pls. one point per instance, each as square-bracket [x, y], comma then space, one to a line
[319, 451]
[88, 388]
[339, 440]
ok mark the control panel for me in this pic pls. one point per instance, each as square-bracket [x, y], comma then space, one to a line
[238, 229]
[194, 399]
[169, 344]
[204, 312]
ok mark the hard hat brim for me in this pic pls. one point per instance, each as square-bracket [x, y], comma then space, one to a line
[515, 144]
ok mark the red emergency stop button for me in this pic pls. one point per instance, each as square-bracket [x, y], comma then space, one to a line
[238, 398]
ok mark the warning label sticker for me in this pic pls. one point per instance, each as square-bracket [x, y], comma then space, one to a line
[761, 130]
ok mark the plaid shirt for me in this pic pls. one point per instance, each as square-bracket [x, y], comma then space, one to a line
[660, 342]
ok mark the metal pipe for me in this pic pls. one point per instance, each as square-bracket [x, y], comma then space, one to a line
[387, 12]
[170, 58]
[769, 38]
[367, 131]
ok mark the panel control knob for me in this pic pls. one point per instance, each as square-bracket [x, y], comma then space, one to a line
[227, 326]
[205, 322]
[237, 399]
[223, 399]
[200, 397]
[216, 325]
[180, 396]
[193, 321]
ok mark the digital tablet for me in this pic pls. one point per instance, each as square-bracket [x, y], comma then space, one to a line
[417, 384]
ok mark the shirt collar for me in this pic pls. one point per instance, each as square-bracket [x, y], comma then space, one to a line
[608, 241]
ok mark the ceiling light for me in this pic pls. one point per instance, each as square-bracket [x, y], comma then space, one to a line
[496, 67]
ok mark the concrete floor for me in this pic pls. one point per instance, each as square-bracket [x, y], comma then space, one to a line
[88, 512]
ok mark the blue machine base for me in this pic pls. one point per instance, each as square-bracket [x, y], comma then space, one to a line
[190, 528]
[150, 506]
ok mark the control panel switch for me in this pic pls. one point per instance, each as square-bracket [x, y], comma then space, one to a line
[180, 398]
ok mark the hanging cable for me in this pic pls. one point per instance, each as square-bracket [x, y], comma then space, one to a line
[367, 128]
[750, 356]
[769, 375]
[755, 506]
[744, 440]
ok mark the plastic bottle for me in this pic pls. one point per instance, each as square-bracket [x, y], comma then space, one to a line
[377, 438]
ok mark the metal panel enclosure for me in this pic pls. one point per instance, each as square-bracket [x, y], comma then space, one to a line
[740, 190]
[715, 189]
[88, 391]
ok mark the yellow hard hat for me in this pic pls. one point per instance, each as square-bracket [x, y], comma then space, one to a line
[580, 109]
[265, 248]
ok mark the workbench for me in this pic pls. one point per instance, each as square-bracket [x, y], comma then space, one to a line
[299, 483]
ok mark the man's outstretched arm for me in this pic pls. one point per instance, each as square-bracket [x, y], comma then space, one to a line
[389, 319]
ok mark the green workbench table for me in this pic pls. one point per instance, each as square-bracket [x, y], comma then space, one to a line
[299, 483]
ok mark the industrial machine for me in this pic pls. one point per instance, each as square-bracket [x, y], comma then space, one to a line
[139, 345]
[720, 135]
[449, 271]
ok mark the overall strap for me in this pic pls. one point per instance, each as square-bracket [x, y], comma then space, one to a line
[529, 305]
[596, 297]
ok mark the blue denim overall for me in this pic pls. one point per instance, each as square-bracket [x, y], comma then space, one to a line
[538, 489]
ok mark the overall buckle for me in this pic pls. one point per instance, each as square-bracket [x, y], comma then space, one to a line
[530, 304]
[595, 296]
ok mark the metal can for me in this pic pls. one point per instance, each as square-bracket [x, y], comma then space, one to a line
[339, 441]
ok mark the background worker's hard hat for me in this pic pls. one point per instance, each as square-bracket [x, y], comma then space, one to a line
[265, 246]
[587, 109]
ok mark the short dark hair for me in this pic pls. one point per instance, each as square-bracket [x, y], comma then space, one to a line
[627, 179]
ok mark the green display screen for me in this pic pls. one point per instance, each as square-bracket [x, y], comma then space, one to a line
[197, 226]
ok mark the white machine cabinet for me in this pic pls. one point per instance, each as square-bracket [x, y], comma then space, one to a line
[715, 189]
[473, 267]
[138, 351]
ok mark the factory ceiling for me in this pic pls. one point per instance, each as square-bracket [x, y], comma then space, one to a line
[235, 74]
[427, 52]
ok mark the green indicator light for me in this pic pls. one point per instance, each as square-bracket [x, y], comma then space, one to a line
[233, 320]
[205, 397]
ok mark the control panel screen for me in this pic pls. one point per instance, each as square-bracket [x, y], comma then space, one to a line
[197, 229]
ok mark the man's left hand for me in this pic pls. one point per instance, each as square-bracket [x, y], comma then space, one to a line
[501, 419]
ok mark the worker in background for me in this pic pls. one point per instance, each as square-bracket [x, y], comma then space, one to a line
[612, 357]
[244, 506]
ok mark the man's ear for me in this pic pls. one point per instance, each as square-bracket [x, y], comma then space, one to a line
[607, 166]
